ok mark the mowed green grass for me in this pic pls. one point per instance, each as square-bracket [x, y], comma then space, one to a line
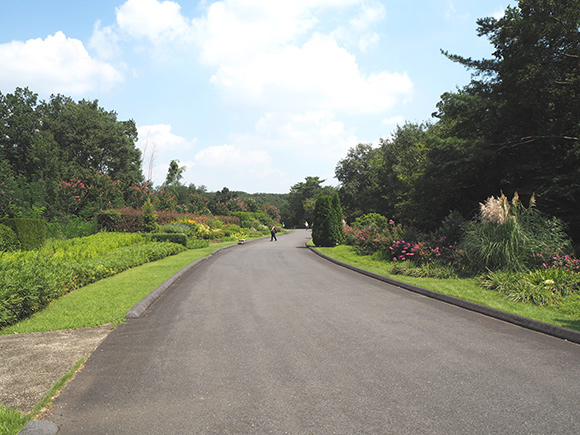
[566, 315]
[108, 300]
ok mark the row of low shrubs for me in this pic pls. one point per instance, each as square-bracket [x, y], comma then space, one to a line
[513, 249]
[130, 220]
[32, 279]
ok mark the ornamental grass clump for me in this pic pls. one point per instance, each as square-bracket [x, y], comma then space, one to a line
[510, 236]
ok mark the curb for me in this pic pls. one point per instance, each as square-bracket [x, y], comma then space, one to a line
[141, 306]
[535, 325]
[39, 427]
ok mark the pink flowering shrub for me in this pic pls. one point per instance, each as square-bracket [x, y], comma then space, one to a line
[164, 200]
[561, 261]
[140, 193]
[88, 195]
[394, 243]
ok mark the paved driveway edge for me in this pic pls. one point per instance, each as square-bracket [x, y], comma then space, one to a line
[141, 306]
[535, 325]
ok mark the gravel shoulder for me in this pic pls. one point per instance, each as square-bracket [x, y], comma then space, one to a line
[32, 363]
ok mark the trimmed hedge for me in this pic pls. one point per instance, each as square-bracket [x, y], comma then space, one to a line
[31, 280]
[30, 232]
[8, 239]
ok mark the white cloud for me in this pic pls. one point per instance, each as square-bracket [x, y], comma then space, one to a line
[231, 156]
[105, 42]
[499, 13]
[153, 20]
[318, 75]
[264, 52]
[56, 64]
[161, 138]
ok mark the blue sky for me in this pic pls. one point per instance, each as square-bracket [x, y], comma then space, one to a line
[253, 95]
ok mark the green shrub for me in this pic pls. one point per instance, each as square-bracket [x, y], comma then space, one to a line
[427, 270]
[180, 239]
[8, 239]
[30, 232]
[197, 243]
[108, 220]
[321, 231]
[371, 219]
[149, 218]
[30, 280]
[70, 227]
[337, 219]
[539, 287]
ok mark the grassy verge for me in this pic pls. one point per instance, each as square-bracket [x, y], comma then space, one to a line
[12, 421]
[567, 315]
[108, 300]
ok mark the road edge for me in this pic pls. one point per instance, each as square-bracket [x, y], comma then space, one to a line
[525, 322]
[142, 306]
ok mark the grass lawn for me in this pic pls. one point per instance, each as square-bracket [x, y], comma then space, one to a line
[108, 300]
[566, 314]
[105, 301]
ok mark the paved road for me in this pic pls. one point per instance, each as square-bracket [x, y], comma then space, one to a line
[270, 338]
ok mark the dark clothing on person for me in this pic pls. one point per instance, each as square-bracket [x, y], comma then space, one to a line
[273, 234]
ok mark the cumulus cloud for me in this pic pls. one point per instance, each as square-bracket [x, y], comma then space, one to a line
[160, 137]
[56, 64]
[277, 55]
[104, 41]
[231, 156]
[152, 20]
[264, 52]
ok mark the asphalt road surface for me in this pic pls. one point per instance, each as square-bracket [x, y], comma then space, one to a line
[269, 338]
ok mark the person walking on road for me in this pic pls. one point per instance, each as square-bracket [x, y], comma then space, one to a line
[273, 233]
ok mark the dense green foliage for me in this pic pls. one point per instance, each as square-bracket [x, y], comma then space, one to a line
[180, 239]
[328, 226]
[8, 239]
[45, 144]
[301, 200]
[321, 231]
[30, 280]
[31, 233]
[514, 127]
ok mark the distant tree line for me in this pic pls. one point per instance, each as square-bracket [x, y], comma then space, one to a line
[61, 158]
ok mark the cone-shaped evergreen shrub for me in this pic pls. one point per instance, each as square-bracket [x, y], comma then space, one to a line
[322, 221]
[337, 228]
[327, 229]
